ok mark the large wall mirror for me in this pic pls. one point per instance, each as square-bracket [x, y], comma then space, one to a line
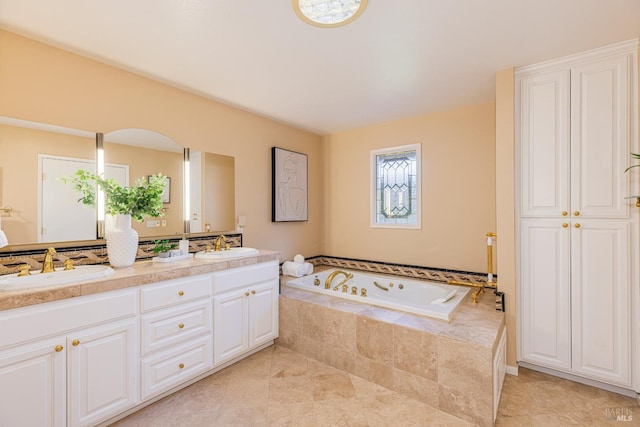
[44, 210]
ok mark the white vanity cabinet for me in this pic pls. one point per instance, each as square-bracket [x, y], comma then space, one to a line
[70, 362]
[245, 306]
[176, 329]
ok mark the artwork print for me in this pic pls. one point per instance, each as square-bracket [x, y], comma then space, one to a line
[289, 185]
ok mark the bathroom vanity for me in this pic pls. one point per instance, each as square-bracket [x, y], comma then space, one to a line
[99, 350]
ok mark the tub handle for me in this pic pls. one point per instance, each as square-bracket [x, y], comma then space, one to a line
[378, 285]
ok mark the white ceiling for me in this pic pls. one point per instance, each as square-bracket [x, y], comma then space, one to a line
[401, 58]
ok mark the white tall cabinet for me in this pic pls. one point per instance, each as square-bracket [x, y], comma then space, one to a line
[576, 123]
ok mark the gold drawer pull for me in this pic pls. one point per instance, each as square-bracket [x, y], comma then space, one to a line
[576, 213]
[577, 225]
[253, 292]
[181, 366]
[565, 213]
[180, 293]
[565, 225]
[181, 325]
[59, 348]
[75, 342]
[246, 293]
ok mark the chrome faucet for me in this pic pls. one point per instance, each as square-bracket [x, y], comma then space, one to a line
[348, 276]
[219, 240]
[47, 263]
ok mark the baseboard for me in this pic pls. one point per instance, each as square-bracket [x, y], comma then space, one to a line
[581, 380]
[512, 370]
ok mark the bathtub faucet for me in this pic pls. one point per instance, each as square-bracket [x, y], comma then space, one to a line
[348, 276]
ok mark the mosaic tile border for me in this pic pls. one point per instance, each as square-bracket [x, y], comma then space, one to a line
[97, 254]
[416, 272]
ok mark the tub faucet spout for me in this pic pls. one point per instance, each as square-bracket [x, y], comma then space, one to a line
[348, 276]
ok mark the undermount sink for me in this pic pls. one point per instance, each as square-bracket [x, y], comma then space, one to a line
[81, 273]
[229, 253]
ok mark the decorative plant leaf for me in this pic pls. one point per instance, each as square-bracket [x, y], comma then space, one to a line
[142, 200]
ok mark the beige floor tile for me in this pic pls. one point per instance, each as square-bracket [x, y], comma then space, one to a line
[279, 387]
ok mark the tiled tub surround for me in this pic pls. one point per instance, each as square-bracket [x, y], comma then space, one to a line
[95, 253]
[448, 365]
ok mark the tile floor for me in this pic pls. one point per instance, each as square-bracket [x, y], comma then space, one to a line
[278, 387]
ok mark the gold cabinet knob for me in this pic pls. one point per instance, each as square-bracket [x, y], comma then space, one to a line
[246, 293]
[576, 213]
[565, 213]
[565, 225]
[75, 343]
[253, 292]
[577, 226]
[59, 348]
[181, 325]
[181, 366]
[180, 293]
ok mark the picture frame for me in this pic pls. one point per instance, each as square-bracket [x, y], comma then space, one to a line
[166, 193]
[289, 186]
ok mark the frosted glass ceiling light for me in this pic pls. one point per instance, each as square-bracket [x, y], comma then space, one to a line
[329, 13]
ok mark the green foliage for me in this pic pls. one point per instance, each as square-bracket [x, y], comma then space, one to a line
[637, 157]
[142, 200]
[163, 246]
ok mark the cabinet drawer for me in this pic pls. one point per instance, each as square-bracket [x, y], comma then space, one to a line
[244, 276]
[173, 325]
[176, 291]
[170, 368]
[29, 323]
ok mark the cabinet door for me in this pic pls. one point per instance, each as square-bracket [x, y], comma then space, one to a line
[600, 143]
[601, 300]
[103, 373]
[230, 326]
[545, 293]
[33, 385]
[263, 313]
[544, 144]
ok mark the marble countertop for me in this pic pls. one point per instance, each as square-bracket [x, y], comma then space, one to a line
[140, 273]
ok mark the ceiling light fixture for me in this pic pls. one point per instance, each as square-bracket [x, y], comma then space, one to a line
[328, 13]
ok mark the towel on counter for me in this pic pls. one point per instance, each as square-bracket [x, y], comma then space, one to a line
[296, 269]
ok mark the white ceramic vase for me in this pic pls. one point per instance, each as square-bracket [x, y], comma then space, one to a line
[122, 242]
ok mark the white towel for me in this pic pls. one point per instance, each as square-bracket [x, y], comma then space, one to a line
[296, 269]
[298, 258]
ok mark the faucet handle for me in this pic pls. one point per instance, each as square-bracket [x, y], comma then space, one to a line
[207, 249]
[344, 288]
[24, 270]
[68, 265]
[354, 290]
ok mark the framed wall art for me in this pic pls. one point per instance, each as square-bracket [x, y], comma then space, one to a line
[289, 191]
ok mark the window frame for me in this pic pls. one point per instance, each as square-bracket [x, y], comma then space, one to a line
[373, 178]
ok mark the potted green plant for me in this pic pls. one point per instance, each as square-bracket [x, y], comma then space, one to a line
[140, 201]
[164, 249]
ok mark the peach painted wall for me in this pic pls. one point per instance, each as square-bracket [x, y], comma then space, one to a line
[49, 85]
[505, 201]
[458, 190]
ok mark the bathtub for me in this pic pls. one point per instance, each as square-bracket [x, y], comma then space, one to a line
[398, 293]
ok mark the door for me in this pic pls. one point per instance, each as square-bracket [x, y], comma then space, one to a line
[61, 217]
[545, 292]
[33, 385]
[103, 373]
[544, 144]
[600, 138]
[230, 327]
[601, 300]
[263, 313]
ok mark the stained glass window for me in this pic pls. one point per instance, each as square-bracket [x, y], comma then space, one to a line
[395, 187]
